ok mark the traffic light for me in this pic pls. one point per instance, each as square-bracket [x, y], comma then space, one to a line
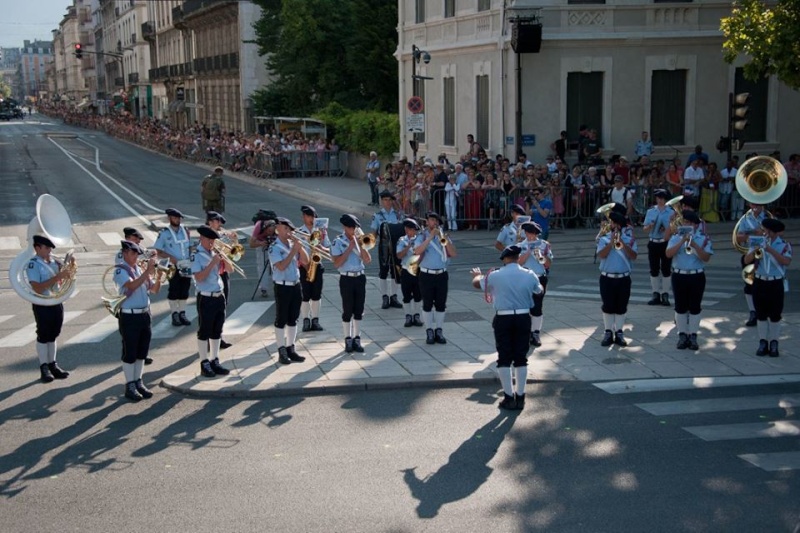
[78, 51]
[739, 110]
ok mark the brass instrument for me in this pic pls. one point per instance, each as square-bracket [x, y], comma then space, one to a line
[365, 241]
[227, 253]
[760, 180]
[672, 202]
[442, 237]
[411, 263]
[537, 253]
[617, 240]
[749, 273]
[234, 250]
[605, 225]
[689, 250]
[113, 300]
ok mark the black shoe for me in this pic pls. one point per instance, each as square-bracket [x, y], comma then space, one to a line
[131, 393]
[47, 376]
[185, 321]
[683, 341]
[665, 299]
[693, 342]
[57, 371]
[773, 349]
[409, 321]
[430, 339]
[763, 348]
[357, 344]
[508, 402]
[619, 338]
[142, 390]
[394, 303]
[519, 399]
[223, 345]
[315, 325]
[218, 368]
[306, 324]
[385, 304]
[608, 338]
[752, 320]
[418, 321]
[348, 345]
[264, 293]
[283, 356]
[148, 360]
[176, 319]
[205, 369]
[535, 340]
[293, 355]
[439, 336]
[655, 300]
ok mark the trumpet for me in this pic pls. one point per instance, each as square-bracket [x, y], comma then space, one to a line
[617, 240]
[537, 253]
[366, 241]
[689, 250]
[442, 237]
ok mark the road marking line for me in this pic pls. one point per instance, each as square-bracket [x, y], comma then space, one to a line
[165, 329]
[97, 332]
[655, 385]
[3, 318]
[634, 290]
[773, 462]
[720, 405]
[244, 317]
[111, 239]
[758, 430]
[26, 335]
[596, 296]
[10, 243]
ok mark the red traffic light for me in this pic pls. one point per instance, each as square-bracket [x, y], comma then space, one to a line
[78, 51]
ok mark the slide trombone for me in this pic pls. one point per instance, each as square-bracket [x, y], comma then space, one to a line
[229, 255]
[366, 241]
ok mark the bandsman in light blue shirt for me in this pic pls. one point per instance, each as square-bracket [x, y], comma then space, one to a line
[616, 250]
[510, 290]
[750, 224]
[511, 233]
[436, 249]
[769, 283]
[312, 289]
[386, 215]
[173, 243]
[537, 256]
[409, 282]
[656, 222]
[132, 235]
[690, 249]
[349, 257]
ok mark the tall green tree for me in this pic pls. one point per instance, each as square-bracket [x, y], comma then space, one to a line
[323, 51]
[769, 35]
[5, 88]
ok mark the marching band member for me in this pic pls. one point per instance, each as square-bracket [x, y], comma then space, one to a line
[750, 225]
[173, 243]
[215, 221]
[134, 316]
[509, 234]
[656, 221]
[205, 265]
[510, 290]
[285, 255]
[689, 252]
[536, 255]
[409, 283]
[387, 214]
[45, 273]
[312, 290]
[770, 284]
[350, 259]
[260, 240]
[133, 235]
[433, 277]
[616, 250]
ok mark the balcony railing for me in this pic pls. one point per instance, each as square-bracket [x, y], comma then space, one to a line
[192, 7]
[133, 77]
[177, 18]
[148, 30]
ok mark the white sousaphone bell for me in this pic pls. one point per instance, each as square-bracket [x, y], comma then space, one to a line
[51, 221]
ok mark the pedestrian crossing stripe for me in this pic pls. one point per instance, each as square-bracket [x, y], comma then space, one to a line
[596, 296]
[670, 384]
[10, 243]
[649, 292]
[720, 405]
[773, 462]
[96, 332]
[27, 334]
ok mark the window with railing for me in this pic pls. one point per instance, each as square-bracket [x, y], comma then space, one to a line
[668, 107]
[449, 138]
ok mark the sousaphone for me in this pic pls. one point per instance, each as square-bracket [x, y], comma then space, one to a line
[760, 180]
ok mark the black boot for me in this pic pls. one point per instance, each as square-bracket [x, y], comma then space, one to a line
[185, 321]
[409, 321]
[752, 320]
[773, 349]
[142, 390]
[47, 375]
[619, 338]
[176, 319]
[418, 321]
[535, 340]
[385, 304]
[148, 360]
[665, 299]
[131, 393]
[306, 324]
[683, 341]
[283, 356]
[655, 300]
[224, 345]
[293, 355]
[348, 345]
[520, 401]
[439, 336]
[608, 338]
[218, 368]
[57, 371]
[357, 344]
[315, 325]
[508, 402]
[205, 369]
[763, 348]
[430, 339]
[394, 303]
[693, 342]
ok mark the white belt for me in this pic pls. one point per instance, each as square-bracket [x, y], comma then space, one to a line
[679, 271]
[513, 312]
[769, 278]
[432, 271]
[139, 311]
[210, 294]
[287, 283]
[658, 240]
[612, 275]
[353, 274]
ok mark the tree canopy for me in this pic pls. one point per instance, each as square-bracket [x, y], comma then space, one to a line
[769, 35]
[323, 51]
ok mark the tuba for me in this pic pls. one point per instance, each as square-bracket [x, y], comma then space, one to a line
[760, 180]
[52, 221]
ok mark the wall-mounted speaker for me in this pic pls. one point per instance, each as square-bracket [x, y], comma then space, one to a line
[526, 38]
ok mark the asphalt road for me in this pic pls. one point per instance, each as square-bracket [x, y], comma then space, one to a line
[75, 457]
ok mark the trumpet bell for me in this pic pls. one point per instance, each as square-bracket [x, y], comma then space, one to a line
[761, 180]
[604, 210]
[113, 304]
[674, 201]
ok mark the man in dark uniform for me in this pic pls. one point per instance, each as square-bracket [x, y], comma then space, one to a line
[134, 317]
[510, 290]
[173, 243]
[215, 221]
[44, 275]
[212, 191]
[210, 302]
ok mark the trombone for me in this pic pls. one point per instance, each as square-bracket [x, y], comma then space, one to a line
[229, 255]
[366, 241]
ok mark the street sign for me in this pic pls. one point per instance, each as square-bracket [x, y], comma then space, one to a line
[529, 140]
[415, 123]
[509, 139]
[415, 105]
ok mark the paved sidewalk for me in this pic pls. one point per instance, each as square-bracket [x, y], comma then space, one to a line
[396, 356]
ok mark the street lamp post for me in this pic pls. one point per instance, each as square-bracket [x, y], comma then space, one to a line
[416, 56]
